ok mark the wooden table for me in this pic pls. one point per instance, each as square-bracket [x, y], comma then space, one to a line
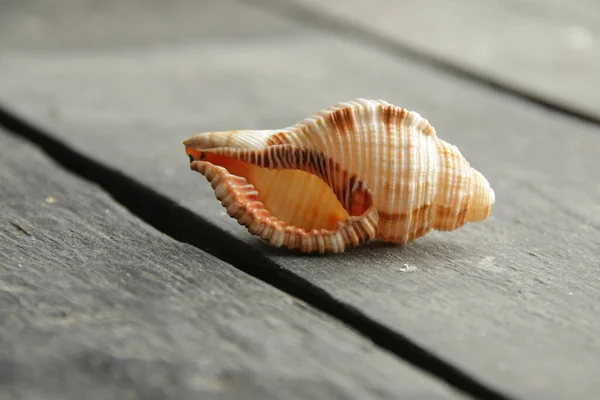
[121, 276]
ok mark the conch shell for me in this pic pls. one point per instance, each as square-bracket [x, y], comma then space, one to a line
[360, 170]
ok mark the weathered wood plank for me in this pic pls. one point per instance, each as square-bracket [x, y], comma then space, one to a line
[97, 305]
[514, 301]
[548, 49]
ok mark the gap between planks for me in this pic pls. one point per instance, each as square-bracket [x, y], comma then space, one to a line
[182, 225]
[301, 13]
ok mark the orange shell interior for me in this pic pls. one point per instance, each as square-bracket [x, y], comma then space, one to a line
[295, 197]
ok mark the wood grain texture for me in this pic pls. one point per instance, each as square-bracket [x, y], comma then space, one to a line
[97, 305]
[549, 49]
[514, 300]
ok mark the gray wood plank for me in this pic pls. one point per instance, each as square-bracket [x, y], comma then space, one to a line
[97, 305]
[514, 301]
[548, 49]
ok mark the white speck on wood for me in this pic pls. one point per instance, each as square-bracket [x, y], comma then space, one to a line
[407, 268]
[487, 263]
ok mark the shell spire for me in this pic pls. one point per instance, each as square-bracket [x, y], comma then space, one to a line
[357, 171]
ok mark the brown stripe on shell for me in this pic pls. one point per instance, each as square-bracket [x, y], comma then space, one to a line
[450, 219]
[420, 226]
[228, 138]
[342, 119]
[383, 216]
[391, 115]
[277, 138]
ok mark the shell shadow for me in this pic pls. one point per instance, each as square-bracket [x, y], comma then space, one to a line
[433, 248]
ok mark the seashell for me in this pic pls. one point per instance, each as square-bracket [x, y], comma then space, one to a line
[361, 170]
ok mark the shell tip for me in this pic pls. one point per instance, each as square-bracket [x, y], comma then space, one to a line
[482, 198]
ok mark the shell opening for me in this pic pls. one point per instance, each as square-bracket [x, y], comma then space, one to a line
[287, 195]
[295, 197]
[194, 154]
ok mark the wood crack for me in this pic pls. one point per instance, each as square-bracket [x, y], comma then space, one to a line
[20, 228]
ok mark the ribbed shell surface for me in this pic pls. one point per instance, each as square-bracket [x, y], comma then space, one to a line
[366, 152]
[394, 151]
